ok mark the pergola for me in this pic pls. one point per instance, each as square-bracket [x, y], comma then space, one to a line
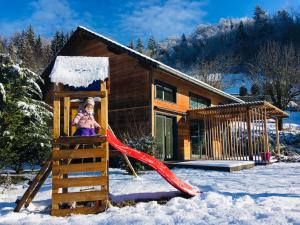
[238, 131]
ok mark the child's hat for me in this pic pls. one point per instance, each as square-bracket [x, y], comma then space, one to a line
[89, 101]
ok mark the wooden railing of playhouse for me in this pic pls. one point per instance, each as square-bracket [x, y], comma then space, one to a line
[74, 169]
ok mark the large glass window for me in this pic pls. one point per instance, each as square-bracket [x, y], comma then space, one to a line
[197, 101]
[197, 136]
[165, 92]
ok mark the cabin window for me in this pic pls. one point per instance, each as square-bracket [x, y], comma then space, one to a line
[165, 92]
[197, 101]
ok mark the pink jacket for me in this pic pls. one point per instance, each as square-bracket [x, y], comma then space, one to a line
[84, 120]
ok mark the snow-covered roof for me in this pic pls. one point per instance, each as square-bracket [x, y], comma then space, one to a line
[79, 71]
[165, 67]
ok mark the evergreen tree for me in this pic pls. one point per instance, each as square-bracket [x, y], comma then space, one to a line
[25, 137]
[140, 45]
[243, 90]
[38, 55]
[260, 17]
[58, 41]
[183, 40]
[152, 46]
[131, 45]
[255, 89]
[30, 35]
[25, 52]
[2, 48]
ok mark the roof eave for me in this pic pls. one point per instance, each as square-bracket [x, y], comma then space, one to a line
[166, 68]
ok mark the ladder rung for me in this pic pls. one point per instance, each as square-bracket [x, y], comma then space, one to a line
[79, 196]
[79, 153]
[79, 182]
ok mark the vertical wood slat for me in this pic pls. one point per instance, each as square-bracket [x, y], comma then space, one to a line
[104, 125]
[67, 116]
[238, 137]
[222, 137]
[255, 128]
[250, 149]
[266, 142]
[260, 146]
[240, 134]
[73, 114]
[217, 137]
[234, 138]
[277, 136]
[253, 133]
[66, 128]
[56, 134]
[259, 130]
[205, 135]
[243, 135]
[210, 137]
[56, 118]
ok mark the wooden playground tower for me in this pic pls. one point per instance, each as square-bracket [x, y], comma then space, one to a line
[89, 164]
[63, 155]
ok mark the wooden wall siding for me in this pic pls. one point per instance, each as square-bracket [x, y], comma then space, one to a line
[133, 121]
[132, 90]
[182, 104]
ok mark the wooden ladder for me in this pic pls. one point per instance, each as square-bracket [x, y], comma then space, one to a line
[34, 186]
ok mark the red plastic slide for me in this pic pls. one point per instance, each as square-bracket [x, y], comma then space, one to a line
[161, 168]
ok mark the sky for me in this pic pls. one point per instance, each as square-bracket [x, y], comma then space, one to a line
[124, 20]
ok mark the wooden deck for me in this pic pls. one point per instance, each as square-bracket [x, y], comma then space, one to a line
[219, 165]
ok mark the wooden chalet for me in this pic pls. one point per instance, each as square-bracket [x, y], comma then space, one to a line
[190, 119]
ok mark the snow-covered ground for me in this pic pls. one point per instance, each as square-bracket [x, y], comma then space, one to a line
[262, 195]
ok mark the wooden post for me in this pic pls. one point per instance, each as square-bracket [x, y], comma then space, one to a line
[250, 149]
[104, 125]
[56, 134]
[266, 141]
[66, 129]
[277, 137]
[67, 116]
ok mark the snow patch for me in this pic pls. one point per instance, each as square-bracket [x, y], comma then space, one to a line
[79, 71]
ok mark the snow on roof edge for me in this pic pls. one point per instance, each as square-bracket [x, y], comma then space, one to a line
[79, 71]
[168, 68]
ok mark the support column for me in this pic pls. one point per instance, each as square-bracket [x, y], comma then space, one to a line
[249, 131]
[266, 141]
[56, 134]
[104, 125]
[277, 136]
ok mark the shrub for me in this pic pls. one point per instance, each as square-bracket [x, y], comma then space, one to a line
[145, 143]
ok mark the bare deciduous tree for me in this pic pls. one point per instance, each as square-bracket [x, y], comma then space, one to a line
[276, 68]
[212, 71]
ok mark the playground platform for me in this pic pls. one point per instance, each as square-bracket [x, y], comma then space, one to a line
[219, 165]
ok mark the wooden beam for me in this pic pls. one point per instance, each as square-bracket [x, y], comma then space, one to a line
[80, 196]
[80, 140]
[78, 154]
[77, 94]
[79, 182]
[75, 168]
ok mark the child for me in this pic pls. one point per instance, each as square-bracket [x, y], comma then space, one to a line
[85, 121]
[85, 124]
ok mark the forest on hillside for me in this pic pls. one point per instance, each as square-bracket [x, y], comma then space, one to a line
[265, 48]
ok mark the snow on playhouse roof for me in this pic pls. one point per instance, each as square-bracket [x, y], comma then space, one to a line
[79, 71]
